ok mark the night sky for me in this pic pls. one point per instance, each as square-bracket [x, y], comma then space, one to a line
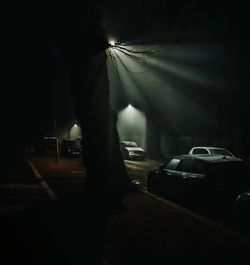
[35, 85]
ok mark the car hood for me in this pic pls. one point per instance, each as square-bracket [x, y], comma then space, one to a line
[134, 149]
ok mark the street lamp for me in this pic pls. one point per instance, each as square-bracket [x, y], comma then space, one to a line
[74, 130]
[112, 43]
[131, 125]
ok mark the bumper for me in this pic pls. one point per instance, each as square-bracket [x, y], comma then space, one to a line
[136, 156]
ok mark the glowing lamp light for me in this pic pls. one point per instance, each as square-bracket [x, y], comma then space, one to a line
[112, 43]
[130, 108]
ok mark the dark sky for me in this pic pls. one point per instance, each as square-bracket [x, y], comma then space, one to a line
[169, 19]
[33, 40]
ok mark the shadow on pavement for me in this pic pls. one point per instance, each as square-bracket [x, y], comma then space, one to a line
[69, 231]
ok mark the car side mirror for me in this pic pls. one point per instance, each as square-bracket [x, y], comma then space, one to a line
[162, 166]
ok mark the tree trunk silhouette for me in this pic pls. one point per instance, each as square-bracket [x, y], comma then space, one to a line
[86, 44]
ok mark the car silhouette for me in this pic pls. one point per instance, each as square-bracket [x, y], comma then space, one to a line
[70, 148]
[201, 150]
[199, 179]
[130, 150]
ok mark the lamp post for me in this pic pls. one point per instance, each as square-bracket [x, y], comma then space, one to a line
[57, 141]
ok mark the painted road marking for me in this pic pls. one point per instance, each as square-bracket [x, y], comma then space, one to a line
[43, 183]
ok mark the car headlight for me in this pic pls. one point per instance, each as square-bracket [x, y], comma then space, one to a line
[131, 153]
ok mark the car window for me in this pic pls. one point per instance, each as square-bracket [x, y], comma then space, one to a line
[199, 167]
[220, 152]
[200, 151]
[186, 165]
[129, 144]
[172, 165]
[70, 143]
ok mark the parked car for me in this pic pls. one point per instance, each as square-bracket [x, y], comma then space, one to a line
[70, 148]
[46, 145]
[199, 150]
[130, 150]
[199, 178]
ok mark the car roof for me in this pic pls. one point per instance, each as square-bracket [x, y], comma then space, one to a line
[127, 142]
[210, 147]
[209, 158]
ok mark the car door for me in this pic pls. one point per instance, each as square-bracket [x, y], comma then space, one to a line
[187, 175]
[182, 179]
[183, 174]
[169, 178]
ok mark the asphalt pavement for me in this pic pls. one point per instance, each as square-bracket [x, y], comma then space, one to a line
[73, 229]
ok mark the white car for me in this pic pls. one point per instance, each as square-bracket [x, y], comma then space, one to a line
[130, 150]
[199, 150]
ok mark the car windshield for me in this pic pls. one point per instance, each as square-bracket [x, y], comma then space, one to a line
[129, 144]
[220, 152]
[72, 143]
